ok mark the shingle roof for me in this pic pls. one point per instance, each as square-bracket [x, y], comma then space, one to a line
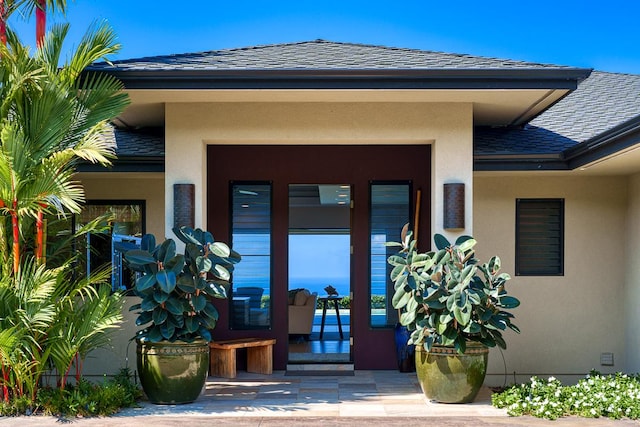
[137, 143]
[318, 54]
[601, 102]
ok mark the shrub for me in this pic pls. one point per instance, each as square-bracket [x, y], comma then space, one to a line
[613, 396]
[82, 399]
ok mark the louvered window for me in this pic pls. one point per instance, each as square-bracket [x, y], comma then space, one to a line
[390, 210]
[251, 237]
[539, 237]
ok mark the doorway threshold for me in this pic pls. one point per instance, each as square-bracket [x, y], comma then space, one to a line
[320, 369]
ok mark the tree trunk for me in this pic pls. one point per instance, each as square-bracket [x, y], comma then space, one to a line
[41, 22]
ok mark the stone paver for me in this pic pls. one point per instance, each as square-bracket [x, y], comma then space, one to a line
[387, 398]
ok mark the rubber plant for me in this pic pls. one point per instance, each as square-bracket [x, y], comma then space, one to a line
[175, 289]
[448, 297]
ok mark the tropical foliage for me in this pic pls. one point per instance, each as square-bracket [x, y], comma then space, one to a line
[176, 288]
[448, 297]
[52, 117]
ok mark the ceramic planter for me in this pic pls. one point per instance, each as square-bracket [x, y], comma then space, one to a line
[172, 372]
[448, 377]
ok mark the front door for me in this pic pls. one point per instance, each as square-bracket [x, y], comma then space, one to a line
[241, 177]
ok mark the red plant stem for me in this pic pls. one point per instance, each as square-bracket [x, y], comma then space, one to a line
[5, 389]
[39, 234]
[41, 22]
[78, 368]
[16, 237]
[3, 23]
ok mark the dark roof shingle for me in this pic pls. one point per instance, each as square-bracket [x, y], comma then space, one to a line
[320, 55]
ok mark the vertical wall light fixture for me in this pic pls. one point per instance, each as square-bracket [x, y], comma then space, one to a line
[184, 205]
[453, 205]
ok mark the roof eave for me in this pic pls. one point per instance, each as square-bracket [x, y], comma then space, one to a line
[127, 164]
[612, 141]
[521, 78]
[516, 162]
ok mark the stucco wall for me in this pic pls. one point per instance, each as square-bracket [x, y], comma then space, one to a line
[632, 290]
[148, 187]
[132, 186]
[568, 321]
[192, 126]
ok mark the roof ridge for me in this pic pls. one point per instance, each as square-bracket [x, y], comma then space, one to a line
[330, 42]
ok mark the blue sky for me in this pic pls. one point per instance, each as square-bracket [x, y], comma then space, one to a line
[586, 33]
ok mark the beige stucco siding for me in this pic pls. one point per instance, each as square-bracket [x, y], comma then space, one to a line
[131, 186]
[567, 321]
[632, 290]
[190, 127]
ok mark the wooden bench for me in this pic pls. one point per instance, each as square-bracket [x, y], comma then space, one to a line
[222, 357]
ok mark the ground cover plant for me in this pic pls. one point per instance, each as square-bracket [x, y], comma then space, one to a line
[613, 396]
[84, 399]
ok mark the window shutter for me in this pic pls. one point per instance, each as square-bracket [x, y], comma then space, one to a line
[539, 237]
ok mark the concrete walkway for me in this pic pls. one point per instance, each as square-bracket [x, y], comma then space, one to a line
[386, 398]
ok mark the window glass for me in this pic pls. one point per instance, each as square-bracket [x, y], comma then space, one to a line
[390, 211]
[539, 237]
[125, 227]
[251, 237]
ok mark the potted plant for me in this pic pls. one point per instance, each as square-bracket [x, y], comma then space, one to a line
[455, 308]
[176, 291]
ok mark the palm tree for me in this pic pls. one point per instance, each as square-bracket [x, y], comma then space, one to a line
[51, 118]
[7, 7]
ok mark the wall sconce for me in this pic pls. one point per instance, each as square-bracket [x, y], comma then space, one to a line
[184, 205]
[453, 205]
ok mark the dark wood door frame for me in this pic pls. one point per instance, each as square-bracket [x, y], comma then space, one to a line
[282, 165]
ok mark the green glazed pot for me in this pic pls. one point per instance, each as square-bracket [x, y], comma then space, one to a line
[448, 377]
[173, 372]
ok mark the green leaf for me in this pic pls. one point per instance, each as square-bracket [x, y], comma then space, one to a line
[199, 302]
[175, 264]
[167, 251]
[145, 282]
[155, 334]
[220, 249]
[148, 243]
[462, 315]
[509, 301]
[148, 303]
[144, 318]
[460, 344]
[441, 241]
[397, 260]
[191, 324]
[204, 264]
[185, 284]
[210, 311]
[174, 306]
[137, 257]
[160, 296]
[467, 244]
[166, 280]
[159, 315]
[167, 330]
[401, 297]
[407, 317]
[221, 273]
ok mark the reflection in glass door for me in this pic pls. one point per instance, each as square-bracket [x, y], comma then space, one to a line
[319, 273]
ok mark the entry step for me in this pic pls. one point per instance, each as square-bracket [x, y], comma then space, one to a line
[320, 367]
